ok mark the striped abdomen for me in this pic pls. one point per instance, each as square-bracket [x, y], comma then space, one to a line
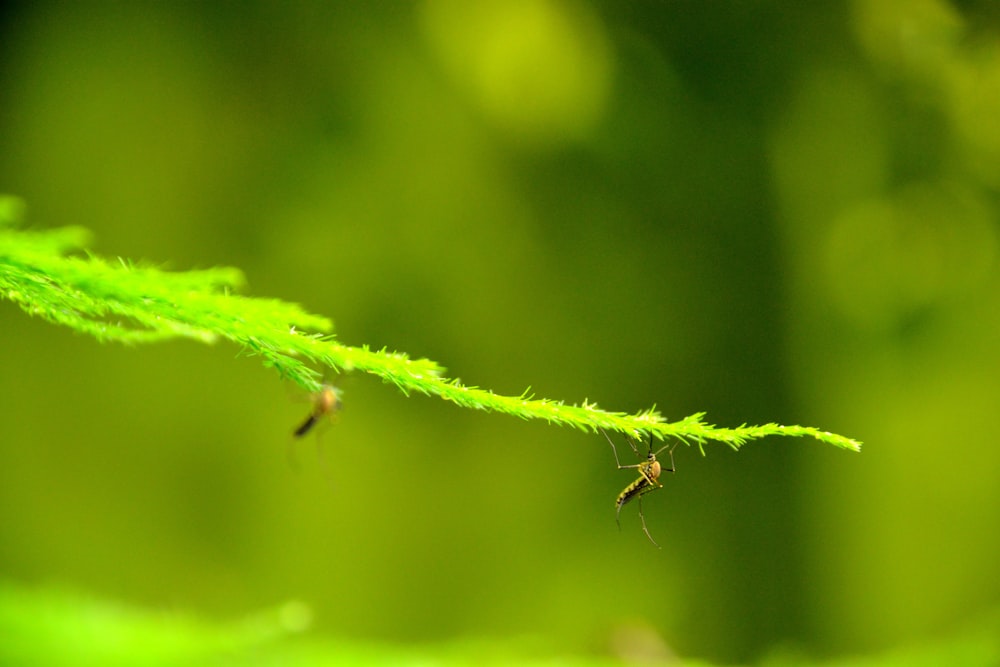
[634, 489]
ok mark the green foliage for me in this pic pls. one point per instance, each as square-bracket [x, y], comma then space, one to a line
[50, 627]
[54, 627]
[135, 303]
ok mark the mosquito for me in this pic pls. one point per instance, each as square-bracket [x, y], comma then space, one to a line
[649, 478]
[326, 401]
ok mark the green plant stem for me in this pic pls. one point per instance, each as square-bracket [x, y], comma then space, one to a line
[130, 303]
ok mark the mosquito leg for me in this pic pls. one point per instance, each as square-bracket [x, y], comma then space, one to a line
[631, 443]
[615, 450]
[671, 453]
[644, 528]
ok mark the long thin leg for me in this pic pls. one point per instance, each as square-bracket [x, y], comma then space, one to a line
[670, 454]
[615, 450]
[644, 528]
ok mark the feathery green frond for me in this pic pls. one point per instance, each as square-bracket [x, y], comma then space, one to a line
[136, 303]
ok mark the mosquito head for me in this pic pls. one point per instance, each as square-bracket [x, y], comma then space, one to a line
[670, 452]
[329, 398]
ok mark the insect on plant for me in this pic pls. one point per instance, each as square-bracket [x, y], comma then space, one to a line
[326, 402]
[649, 478]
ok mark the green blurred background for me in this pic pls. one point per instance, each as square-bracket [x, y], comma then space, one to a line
[770, 211]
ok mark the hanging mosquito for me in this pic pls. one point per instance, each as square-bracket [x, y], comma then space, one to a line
[649, 478]
[326, 402]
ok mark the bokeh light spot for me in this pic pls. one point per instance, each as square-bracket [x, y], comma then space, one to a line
[538, 70]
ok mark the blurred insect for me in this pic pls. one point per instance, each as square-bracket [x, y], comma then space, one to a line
[326, 402]
[649, 478]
